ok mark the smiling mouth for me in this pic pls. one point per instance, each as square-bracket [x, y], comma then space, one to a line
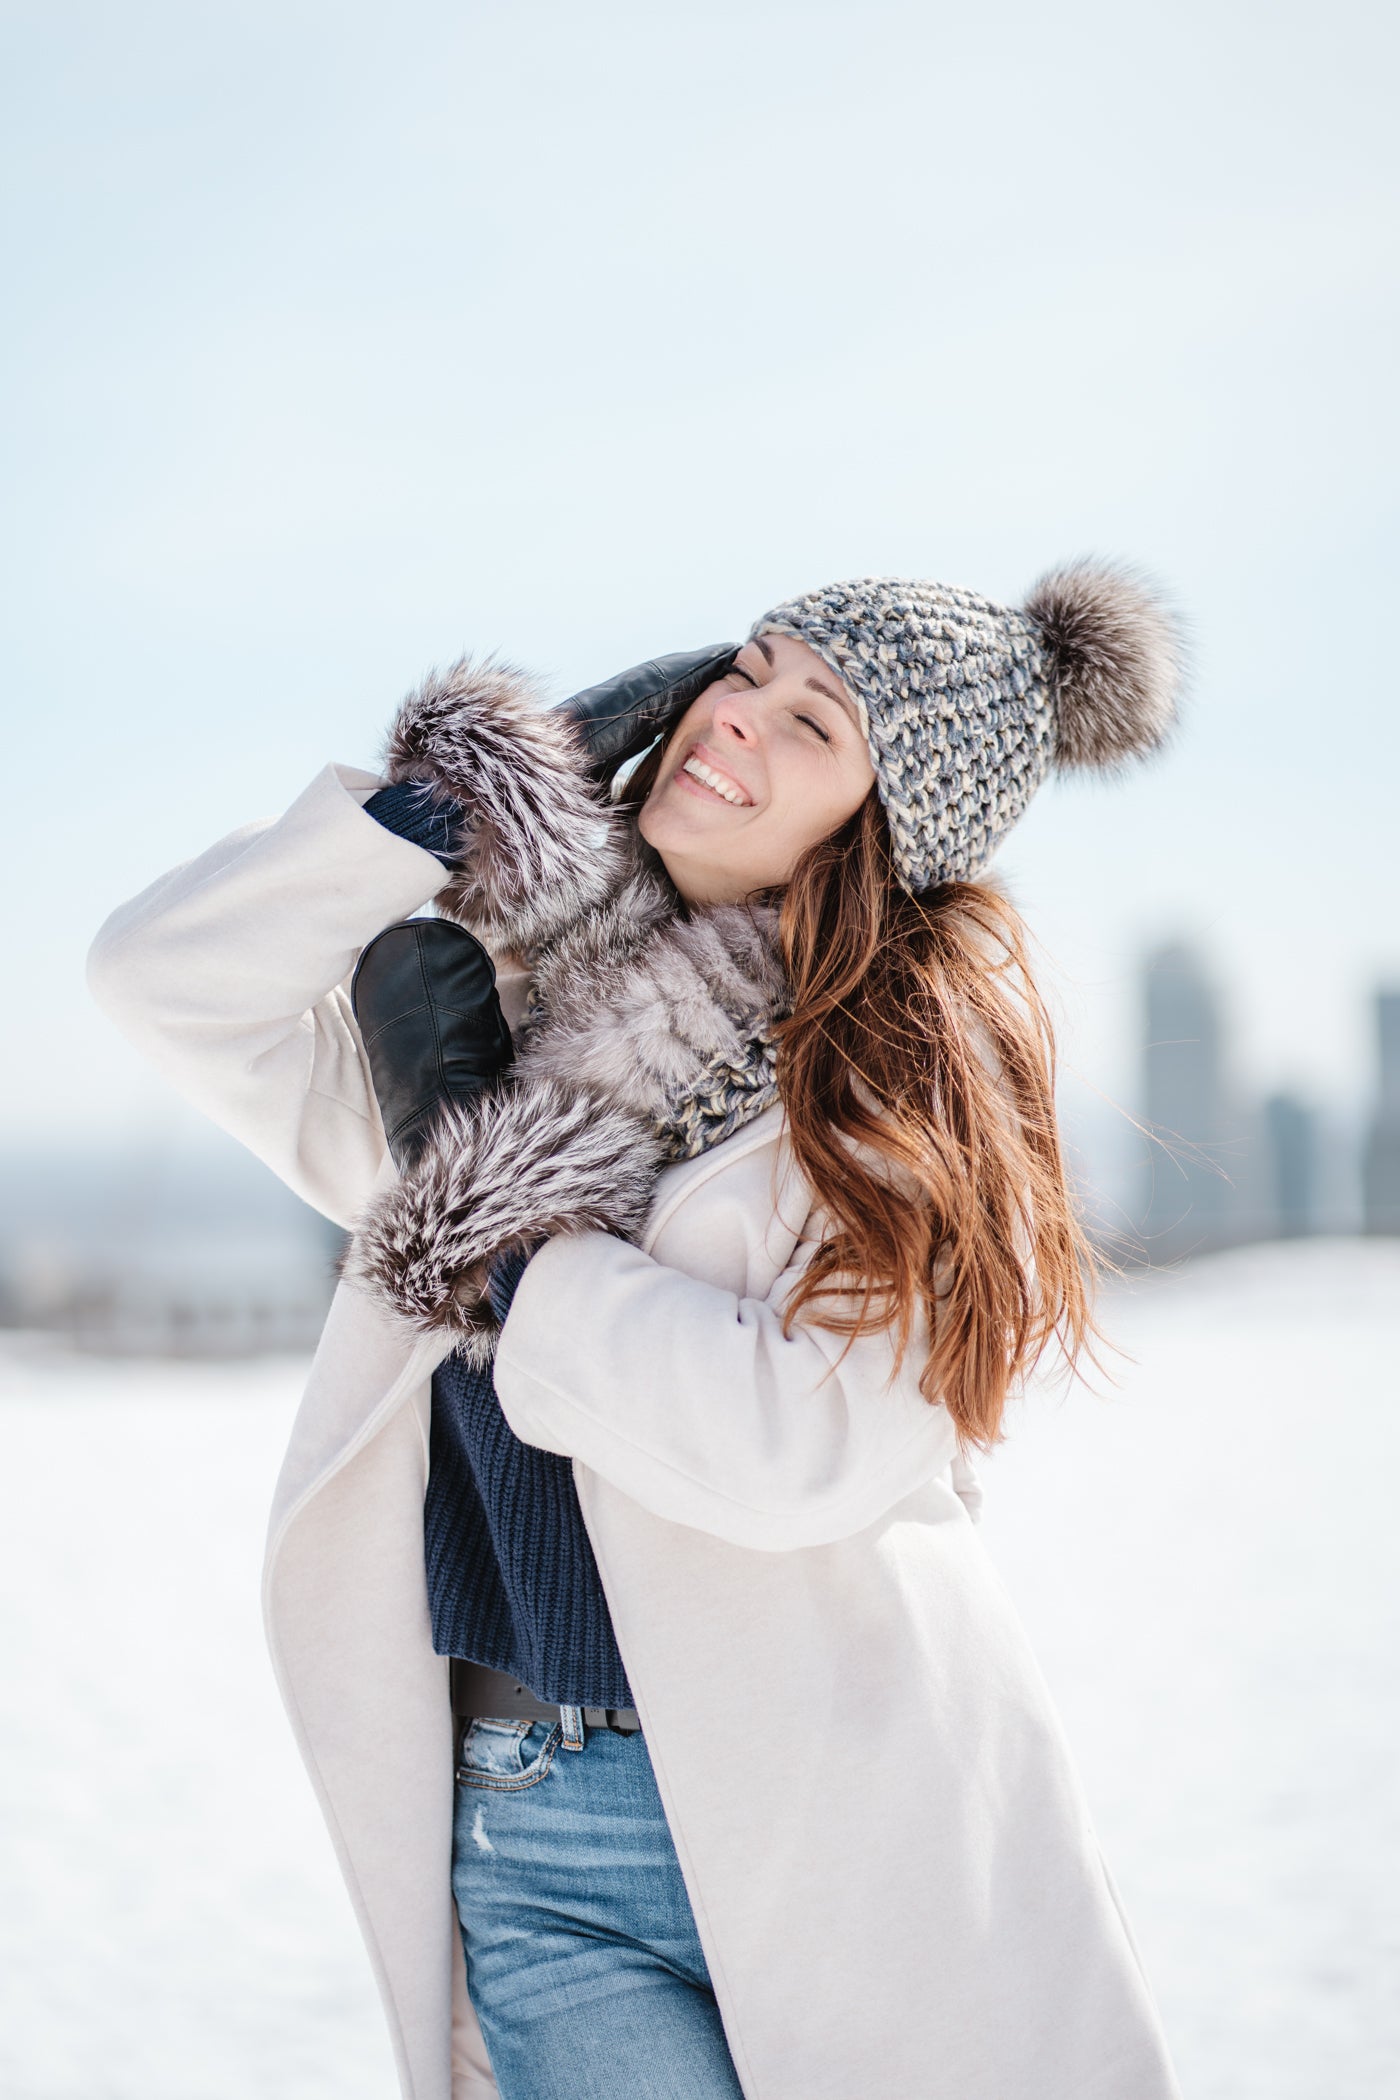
[719, 784]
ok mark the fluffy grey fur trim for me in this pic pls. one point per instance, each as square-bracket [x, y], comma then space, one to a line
[503, 1170]
[639, 1003]
[1116, 653]
[543, 847]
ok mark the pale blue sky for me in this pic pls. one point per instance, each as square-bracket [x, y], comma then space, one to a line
[341, 339]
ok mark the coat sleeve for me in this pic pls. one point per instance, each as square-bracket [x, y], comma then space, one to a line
[231, 975]
[689, 1399]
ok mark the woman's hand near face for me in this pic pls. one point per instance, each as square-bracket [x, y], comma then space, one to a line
[767, 760]
[619, 718]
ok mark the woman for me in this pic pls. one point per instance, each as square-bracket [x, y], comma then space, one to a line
[846, 1850]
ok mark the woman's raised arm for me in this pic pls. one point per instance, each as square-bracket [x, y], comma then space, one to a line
[231, 974]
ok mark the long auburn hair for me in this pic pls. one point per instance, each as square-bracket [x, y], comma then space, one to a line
[918, 1034]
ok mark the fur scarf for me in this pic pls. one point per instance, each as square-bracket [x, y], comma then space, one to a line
[646, 1031]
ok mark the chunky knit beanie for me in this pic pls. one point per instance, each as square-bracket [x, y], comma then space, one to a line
[966, 705]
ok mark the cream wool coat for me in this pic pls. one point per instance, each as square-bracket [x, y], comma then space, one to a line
[894, 1874]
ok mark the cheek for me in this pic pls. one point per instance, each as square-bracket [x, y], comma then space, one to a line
[823, 793]
[853, 781]
[687, 725]
[698, 720]
[796, 818]
[691, 724]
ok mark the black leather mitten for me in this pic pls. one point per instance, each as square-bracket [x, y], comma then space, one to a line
[424, 997]
[624, 714]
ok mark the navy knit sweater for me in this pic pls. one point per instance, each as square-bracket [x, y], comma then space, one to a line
[512, 1581]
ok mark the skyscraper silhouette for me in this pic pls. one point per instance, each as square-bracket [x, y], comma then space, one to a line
[1187, 1208]
[1380, 1167]
[1290, 1131]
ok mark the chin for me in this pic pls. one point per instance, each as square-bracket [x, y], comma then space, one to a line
[668, 825]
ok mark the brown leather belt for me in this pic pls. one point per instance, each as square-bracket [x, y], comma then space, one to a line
[478, 1690]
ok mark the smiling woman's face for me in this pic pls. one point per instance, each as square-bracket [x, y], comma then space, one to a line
[769, 759]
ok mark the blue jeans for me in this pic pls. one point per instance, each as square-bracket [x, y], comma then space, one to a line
[583, 1962]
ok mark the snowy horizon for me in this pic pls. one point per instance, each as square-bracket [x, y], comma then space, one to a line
[1204, 1556]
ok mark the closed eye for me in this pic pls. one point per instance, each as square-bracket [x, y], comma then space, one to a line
[738, 671]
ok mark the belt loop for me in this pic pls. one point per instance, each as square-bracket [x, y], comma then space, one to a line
[572, 1719]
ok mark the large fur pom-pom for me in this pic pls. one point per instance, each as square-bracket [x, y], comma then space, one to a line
[1117, 659]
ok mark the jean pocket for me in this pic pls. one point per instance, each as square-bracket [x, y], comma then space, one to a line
[506, 1755]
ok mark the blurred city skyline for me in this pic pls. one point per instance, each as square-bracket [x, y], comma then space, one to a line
[1232, 1164]
[176, 1240]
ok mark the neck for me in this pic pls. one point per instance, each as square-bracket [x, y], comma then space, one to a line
[701, 886]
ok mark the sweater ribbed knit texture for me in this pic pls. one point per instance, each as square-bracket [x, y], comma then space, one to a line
[512, 1581]
[405, 807]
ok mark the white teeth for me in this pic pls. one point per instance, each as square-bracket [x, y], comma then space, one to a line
[715, 780]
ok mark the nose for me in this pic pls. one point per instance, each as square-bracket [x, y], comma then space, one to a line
[733, 712]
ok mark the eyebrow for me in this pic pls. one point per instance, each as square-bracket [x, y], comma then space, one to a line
[760, 642]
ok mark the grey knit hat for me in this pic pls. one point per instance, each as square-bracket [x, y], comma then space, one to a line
[966, 705]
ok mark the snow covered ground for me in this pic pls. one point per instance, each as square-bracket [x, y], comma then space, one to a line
[1207, 1561]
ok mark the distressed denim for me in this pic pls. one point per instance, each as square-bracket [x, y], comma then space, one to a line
[583, 1962]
